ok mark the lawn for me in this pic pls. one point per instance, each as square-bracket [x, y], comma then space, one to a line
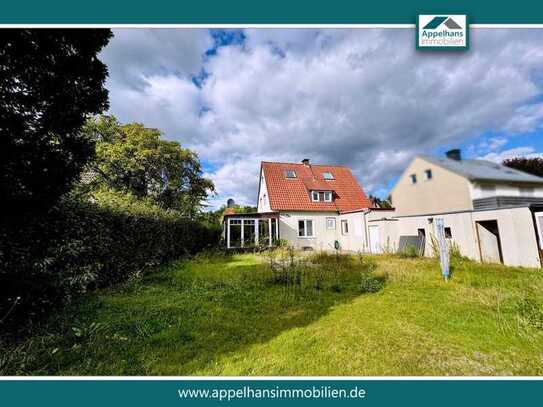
[226, 315]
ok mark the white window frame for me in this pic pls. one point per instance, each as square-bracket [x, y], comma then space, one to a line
[242, 221]
[313, 196]
[346, 223]
[334, 221]
[329, 195]
[305, 235]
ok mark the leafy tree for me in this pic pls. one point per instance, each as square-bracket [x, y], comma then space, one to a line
[380, 203]
[530, 165]
[134, 159]
[50, 81]
[216, 217]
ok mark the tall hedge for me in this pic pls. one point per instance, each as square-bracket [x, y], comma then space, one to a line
[80, 245]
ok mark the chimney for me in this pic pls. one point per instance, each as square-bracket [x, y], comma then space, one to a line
[454, 154]
[305, 162]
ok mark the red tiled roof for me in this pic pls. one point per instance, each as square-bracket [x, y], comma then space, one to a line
[292, 194]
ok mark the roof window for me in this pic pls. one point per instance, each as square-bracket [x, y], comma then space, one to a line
[290, 174]
[327, 175]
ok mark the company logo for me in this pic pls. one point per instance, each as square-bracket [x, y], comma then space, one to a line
[442, 32]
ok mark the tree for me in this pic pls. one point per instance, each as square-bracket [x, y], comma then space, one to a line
[380, 203]
[50, 82]
[135, 159]
[530, 165]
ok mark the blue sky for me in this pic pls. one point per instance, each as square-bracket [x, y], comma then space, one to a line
[363, 98]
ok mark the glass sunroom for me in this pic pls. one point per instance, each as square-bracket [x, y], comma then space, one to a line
[246, 230]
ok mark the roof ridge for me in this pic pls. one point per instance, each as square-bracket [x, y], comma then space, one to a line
[311, 165]
[484, 170]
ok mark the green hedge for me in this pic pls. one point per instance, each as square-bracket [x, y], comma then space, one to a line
[80, 245]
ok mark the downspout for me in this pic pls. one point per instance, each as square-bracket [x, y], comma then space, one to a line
[366, 246]
[534, 223]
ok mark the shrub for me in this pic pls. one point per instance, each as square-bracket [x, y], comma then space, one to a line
[80, 245]
[410, 252]
[323, 271]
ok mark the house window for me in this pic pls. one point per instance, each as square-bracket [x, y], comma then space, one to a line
[526, 191]
[315, 196]
[331, 223]
[327, 175]
[328, 196]
[305, 228]
[428, 175]
[448, 233]
[413, 178]
[345, 227]
[488, 188]
[290, 173]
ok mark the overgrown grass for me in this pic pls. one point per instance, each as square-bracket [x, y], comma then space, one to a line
[353, 315]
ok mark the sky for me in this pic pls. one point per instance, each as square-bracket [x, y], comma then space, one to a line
[364, 98]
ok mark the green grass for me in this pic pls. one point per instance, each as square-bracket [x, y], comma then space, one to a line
[223, 316]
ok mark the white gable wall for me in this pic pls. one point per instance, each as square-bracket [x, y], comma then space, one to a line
[263, 197]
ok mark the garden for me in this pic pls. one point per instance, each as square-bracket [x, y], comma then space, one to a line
[289, 313]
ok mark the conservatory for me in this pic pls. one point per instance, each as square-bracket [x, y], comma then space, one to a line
[246, 230]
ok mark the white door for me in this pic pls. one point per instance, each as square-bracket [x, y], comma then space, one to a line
[375, 240]
[489, 244]
[539, 226]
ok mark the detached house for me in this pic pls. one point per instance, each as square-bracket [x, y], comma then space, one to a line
[491, 213]
[310, 206]
[450, 183]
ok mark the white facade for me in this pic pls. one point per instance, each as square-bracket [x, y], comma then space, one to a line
[350, 230]
[516, 237]
[480, 191]
[327, 228]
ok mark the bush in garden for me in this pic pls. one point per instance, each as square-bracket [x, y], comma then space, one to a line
[409, 252]
[322, 271]
[80, 245]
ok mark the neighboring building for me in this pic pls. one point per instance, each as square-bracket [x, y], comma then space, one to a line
[314, 206]
[492, 213]
[446, 184]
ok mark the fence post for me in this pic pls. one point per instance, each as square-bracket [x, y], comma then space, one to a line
[443, 249]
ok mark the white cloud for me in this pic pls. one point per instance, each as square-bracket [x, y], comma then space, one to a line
[363, 98]
[134, 54]
[525, 151]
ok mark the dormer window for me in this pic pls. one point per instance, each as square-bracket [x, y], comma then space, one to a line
[328, 175]
[327, 196]
[290, 174]
[315, 196]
